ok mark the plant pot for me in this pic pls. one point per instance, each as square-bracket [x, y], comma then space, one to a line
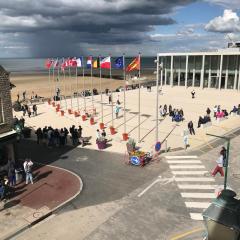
[69, 111]
[53, 104]
[125, 136]
[76, 114]
[92, 121]
[101, 125]
[84, 117]
[102, 144]
[112, 130]
[57, 109]
[58, 105]
[62, 113]
[49, 101]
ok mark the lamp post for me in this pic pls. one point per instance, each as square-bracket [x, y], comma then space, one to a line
[227, 157]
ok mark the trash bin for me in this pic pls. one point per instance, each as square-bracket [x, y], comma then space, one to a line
[18, 174]
[222, 217]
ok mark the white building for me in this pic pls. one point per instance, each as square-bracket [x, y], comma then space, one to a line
[220, 69]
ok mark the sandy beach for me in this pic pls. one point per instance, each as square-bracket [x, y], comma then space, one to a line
[39, 84]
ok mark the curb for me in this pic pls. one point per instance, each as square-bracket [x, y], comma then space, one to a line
[54, 210]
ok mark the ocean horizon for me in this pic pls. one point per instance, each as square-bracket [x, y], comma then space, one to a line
[32, 65]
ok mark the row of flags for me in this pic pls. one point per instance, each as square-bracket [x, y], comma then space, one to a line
[104, 63]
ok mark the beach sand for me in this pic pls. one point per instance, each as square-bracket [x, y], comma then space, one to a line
[39, 84]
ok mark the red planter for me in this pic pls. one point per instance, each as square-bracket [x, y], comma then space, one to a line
[101, 125]
[62, 113]
[69, 111]
[57, 109]
[76, 114]
[125, 136]
[92, 121]
[58, 105]
[112, 130]
[53, 104]
[84, 117]
[49, 101]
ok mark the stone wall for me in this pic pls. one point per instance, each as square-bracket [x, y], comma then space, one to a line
[5, 94]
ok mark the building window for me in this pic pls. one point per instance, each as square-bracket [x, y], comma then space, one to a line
[1, 111]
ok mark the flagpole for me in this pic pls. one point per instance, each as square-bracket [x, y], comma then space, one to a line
[49, 81]
[139, 98]
[69, 71]
[53, 80]
[101, 88]
[124, 95]
[92, 80]
[59, 82]
[83, 74]
[77, 87]
[111, 91]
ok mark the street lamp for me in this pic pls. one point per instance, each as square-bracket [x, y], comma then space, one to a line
[159, 67]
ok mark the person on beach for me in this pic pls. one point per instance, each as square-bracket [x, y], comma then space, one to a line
[118, 101]
[193, 93]
[79, 131]
[27, 165]
[104, 133]
[18, 97]
[117, 109]
[191, 128]
[219, 167]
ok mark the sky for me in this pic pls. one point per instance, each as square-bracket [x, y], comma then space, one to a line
[59, 28]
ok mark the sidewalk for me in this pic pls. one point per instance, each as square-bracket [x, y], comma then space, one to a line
[28, 204]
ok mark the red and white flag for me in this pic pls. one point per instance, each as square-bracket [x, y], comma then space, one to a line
[48, 63]
[55, 64]
[105, 63]
[73, 62]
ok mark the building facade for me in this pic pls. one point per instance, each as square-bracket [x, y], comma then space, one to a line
[7, 134]
[220, 70]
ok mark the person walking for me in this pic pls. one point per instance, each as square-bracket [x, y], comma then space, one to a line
[185, 141]
[117, 109]
[191, 128]
[39, 134]
[193, 93]
[219, 167]
[35, 110]
[110, 98]
[27, 165]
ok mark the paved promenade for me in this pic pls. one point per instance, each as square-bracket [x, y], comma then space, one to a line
[170, 133]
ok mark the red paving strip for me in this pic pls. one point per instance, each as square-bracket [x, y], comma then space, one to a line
[52, 187]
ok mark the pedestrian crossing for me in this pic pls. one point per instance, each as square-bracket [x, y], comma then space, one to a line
[196, 189]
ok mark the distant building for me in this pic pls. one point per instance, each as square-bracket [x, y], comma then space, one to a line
[7, 134]
[220, 69]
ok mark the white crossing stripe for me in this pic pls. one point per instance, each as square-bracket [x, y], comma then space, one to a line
[191, 179]
[197, 186]
[196, 216]
[198, 195]
[183, 161]
[186, 166]
[181, 157]
[202, 205]
[189, 172]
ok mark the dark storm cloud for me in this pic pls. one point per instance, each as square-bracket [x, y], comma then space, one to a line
[60, 26]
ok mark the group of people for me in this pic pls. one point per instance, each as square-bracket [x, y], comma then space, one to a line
[59, 137]
[26, 109]
[101, 134]
[177, 115]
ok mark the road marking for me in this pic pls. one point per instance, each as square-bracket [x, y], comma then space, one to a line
[198, 195]
[181, 157]
[190, 179]
[180, 236]
[183, 161]
[186, 166]
[197, 186]
[147, 188]
[189, 172]
[202, 205]
[196, 216]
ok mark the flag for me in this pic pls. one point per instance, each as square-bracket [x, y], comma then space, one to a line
[63, 65]
[55, 64]
[119, 63]
[106, 63]
[79, 61]
[48, 63]
[134, 65]
[89, 62]
[73, 62]
[96, 64]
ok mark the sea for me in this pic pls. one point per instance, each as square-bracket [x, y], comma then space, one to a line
[37, 65]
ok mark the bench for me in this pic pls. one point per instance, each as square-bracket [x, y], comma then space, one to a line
[205, 125]
[221, 119]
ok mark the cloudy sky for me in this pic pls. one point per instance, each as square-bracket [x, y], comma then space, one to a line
[53, 28]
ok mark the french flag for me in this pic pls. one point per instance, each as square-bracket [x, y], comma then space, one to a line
[89, 62]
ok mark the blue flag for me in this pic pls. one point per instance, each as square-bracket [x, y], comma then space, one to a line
[119, 63]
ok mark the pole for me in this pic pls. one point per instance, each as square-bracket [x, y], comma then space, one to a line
[92, 82]
[83, 74]
[49, 80]
[110, 75]
[101, 88]
[157, 86]
[124, 95]
[139, 98]
[77, 87]
[69, 71]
